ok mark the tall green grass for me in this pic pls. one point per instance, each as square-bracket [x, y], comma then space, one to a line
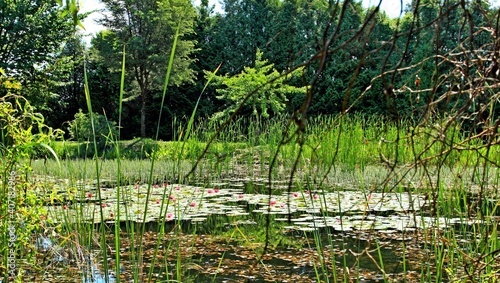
[437, 159]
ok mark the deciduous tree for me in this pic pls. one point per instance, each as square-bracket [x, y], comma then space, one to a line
[147, 28]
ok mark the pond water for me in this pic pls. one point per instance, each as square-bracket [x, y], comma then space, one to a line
[218, 232]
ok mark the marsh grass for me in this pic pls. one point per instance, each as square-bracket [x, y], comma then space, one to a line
[370, 154]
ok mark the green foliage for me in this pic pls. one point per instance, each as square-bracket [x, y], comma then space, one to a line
[148, 31]
[23, 130]
[23, 134]
[262, 88]
[80, 128]
[30, 33]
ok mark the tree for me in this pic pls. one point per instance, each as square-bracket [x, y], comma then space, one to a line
[261, 87]
[147, 28]
[31, 32]
[245, 26]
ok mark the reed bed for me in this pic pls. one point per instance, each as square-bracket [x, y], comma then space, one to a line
[127, 212]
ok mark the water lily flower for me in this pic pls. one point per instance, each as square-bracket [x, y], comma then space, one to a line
[104, 205]
[89, 195]
[157, 201]
[282, 205]
[155, 186]
[216, 190]
[193, 204]
[240, 196]
[210, 191]
[272, 202]
[177, 188]
[295, 194]
[171, 197]
[65, 207]
[315, 196]
[170, 216]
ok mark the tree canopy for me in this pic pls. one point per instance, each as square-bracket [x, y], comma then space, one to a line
[31, 34]
[352, 58]
[147, 29]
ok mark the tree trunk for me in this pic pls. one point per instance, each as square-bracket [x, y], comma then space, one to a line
[143, 116]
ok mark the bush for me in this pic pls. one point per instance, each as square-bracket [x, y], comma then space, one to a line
[80, 129]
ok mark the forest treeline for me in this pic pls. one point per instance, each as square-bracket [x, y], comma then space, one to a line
[331, 57]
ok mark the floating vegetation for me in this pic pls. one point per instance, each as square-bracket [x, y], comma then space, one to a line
[303, 210]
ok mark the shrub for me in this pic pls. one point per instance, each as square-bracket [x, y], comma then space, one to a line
[80, 129]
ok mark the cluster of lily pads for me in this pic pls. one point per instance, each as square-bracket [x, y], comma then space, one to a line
[342, 210]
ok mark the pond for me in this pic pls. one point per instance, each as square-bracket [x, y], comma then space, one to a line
[218, 233]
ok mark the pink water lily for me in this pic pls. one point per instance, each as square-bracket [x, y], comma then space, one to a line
[170, 216]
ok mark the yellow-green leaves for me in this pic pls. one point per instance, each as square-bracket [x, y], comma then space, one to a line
[261, 87]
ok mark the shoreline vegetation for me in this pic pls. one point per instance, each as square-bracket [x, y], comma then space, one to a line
[306, 141]
[361, 198]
